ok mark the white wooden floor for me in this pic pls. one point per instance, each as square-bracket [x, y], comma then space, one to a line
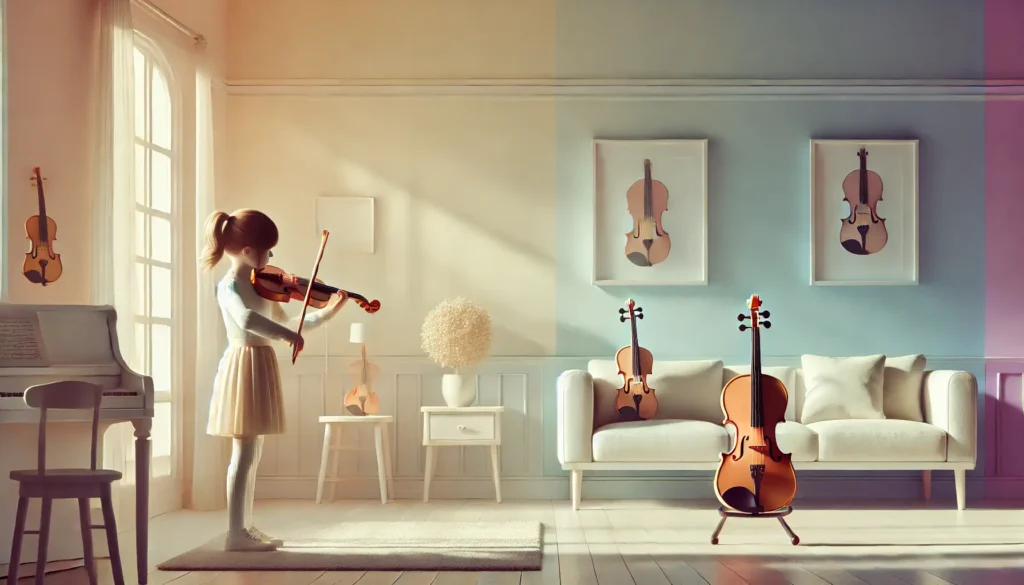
[648, 543]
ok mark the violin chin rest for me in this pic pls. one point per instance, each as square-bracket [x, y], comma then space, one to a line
[741, 499]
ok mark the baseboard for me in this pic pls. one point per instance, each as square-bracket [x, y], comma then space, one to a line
[616, 488]
[1004, 488]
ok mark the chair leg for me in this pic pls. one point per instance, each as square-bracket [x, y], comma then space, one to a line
[19, 533]
[44, 541]
[926, 484]
[110, 527]
[87, 556]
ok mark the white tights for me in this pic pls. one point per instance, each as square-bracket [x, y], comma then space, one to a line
[241, 487]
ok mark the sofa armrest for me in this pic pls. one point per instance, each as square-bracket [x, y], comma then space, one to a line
[951, 403]
[575, 390]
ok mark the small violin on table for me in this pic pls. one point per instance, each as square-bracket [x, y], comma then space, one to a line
[635, 400]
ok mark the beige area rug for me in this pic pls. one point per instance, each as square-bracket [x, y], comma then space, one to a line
[382, 546]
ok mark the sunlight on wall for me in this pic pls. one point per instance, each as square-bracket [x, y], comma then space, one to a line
[464, 194]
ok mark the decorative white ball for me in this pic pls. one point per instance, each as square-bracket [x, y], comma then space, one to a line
[457, 333]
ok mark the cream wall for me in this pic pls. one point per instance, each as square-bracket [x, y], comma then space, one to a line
[50, 49]
[464, 184]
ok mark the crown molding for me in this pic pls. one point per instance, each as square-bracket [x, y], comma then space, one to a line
[641, 89]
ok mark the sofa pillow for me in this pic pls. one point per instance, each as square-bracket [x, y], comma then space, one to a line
[685, 390]
[842, 388]
[901, 391]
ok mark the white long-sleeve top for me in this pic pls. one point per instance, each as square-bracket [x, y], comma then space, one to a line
[253, 320]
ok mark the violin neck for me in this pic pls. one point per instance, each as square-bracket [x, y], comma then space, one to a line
[863, 176]
[648, 204]
[756, 408]
[363, 373]
[42, 206]
[635, 346]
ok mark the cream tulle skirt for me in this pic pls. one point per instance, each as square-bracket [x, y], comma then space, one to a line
[247, 397]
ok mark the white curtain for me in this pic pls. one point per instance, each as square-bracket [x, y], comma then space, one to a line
[113, 253]
[208, 454]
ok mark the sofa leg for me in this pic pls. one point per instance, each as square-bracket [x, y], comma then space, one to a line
[926, 484]
[960, 479]
[576, 488]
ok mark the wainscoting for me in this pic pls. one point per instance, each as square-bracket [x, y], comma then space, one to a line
[315, 386]
[1004, 428]
[529, 467]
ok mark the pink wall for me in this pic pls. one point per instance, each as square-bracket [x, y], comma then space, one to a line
[51, 49]
[1004, 253]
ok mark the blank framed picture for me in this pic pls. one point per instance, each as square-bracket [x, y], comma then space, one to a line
[349, 220]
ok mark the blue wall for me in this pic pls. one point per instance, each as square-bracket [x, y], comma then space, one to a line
[759, 235]
[758, 186]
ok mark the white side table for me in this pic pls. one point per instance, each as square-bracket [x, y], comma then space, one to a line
[444, 426]
[332, 449]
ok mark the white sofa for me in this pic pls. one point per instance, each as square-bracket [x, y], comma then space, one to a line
[688, 434]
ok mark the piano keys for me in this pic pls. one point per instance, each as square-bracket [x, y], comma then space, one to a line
[45, 343]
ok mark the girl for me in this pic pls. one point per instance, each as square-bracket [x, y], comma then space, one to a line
[247, 401]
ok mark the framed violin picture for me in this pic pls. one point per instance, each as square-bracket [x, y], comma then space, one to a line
[864, 212]
[650, 212]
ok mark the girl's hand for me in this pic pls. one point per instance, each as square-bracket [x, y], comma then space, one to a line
[337, 302]
[296, 342]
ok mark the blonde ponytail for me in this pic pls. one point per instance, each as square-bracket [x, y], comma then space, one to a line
[216, 225]
[234, 232]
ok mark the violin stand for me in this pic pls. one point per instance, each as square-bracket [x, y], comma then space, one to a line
[779, 515]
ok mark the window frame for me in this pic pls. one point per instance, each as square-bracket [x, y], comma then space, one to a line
[156, 59]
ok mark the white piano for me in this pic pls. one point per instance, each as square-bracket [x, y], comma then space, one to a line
[44, 343]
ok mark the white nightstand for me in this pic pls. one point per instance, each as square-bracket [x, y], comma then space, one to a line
[461, 427]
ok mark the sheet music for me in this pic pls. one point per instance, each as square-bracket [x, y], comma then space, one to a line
[21, 340]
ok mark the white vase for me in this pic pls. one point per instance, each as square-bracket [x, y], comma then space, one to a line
[458, 391]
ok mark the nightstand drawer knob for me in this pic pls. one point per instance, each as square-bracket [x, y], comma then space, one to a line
[461, 427]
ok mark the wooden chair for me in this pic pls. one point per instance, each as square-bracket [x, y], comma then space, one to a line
[51, 484]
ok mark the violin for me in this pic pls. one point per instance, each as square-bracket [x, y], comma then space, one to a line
[274, 284]
[42, 265]
[362, 399]
[863, 232]
[648, 242]
[755, 476]
[635, 400]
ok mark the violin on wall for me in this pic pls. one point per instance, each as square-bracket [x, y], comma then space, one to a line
[648, 243]
[755, 476]
[42, 264]
[863, 232]
[635, 400]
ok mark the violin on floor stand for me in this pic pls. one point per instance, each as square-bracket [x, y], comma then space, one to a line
[755, 478]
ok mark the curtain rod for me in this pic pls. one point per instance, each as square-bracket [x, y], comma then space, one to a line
[162, 15]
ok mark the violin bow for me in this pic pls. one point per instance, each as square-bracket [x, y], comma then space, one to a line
[309, 290]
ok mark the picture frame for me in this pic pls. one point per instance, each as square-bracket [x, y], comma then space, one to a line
[350, 220]
[878, 243]
[676, 251]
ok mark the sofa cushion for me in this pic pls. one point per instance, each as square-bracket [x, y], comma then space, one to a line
[794, 438]
[685, 390]
[842, 388]
[879, 440]
[661, 441]
[902, 391]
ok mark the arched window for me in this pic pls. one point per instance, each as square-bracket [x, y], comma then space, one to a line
[156, 233]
